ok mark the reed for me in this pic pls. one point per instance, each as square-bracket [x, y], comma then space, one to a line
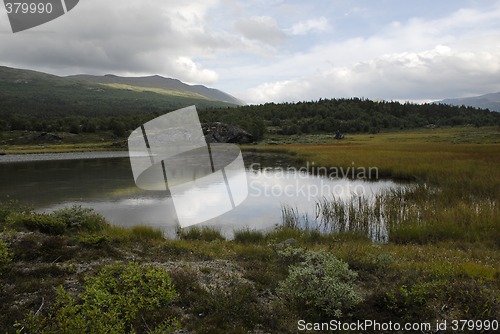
[454, 192]
[411, 214]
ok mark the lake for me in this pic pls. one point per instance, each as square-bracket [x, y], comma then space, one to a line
[104, 181]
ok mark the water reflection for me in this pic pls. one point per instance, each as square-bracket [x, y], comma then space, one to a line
[107, 185]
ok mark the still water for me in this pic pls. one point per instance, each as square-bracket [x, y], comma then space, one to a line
[104, 182]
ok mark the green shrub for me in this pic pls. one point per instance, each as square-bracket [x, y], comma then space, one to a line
[319, 287]
[10, 207]
[232, 308]
[412, 302]
[93, 240]
[80, 218]
[120, 299]
[4, 213]
[5, 256]
[38, 222]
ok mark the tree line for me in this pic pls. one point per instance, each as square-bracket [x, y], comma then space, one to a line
[323, 116]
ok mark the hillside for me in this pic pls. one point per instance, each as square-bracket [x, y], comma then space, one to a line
[158, 83]
[30, 93]
[487, 101]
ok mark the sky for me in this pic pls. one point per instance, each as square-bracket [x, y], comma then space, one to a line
[273, 50]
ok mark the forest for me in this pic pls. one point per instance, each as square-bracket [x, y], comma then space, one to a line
[352, 115]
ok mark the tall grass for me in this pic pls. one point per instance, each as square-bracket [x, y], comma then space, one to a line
[455, 192]
[411, 214]
[204, 233]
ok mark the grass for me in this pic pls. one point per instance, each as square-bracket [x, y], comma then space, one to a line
[458, 183]
[248, 236]
[27, 142]
[204, 233]
[441, 261]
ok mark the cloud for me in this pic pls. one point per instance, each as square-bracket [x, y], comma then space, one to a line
[156, 37]
[452, 56]
[188, 68]
[260, 28]
[319, 24]
[435, 73]
[272, 50]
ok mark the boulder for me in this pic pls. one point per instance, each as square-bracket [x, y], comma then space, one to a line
[49, 137]
[218, 132]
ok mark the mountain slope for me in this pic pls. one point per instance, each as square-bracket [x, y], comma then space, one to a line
[25, 92]
[159, 82]
[487, 101]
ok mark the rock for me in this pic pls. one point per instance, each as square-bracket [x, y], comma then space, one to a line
[217, 132]
[49, 137]
[119, 144]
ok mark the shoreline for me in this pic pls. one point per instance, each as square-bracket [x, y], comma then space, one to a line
[29, 157]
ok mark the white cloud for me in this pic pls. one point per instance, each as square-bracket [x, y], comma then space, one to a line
[272, 50]
[116, 36]
[261, 28]
[304, 27]
[194, 72]
[456, 55]
[434, 74]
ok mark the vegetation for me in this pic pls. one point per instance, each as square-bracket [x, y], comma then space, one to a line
[68, 121]
[440, 262]
[229, 286]
[320, 286]
[27, 96]
[197, 233]
[5, 256]
[118, 299]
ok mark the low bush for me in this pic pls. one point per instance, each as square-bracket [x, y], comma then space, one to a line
[5, 256]
[120, 299]
[79, 218]
[38, 222]
[413, 302]
[93, 240]
[320, 286]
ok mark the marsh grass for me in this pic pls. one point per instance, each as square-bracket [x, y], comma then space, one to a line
[454, 194]
[141, 232]
[204, 233]
[411, 214]
[248, 236]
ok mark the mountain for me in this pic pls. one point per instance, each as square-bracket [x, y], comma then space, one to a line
[26, 92]
[159, 82]
[487, 101]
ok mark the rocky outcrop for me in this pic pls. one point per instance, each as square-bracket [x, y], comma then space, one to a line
[48, 137]
[217, 132]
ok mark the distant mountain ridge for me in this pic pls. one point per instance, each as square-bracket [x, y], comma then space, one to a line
[156, 81]
[26, 93]
[487, 101]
